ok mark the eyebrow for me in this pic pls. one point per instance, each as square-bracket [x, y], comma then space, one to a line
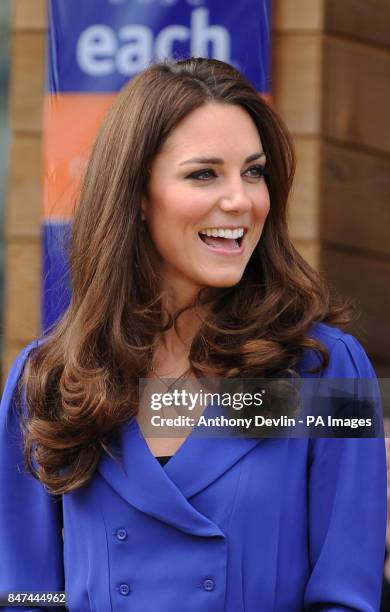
[218, 160]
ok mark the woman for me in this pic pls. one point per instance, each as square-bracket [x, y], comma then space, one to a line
[181, 265]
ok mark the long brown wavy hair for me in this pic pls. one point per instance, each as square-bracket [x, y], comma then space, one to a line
[81, 383]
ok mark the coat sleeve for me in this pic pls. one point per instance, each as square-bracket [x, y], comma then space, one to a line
[347, 507]
[30, 518]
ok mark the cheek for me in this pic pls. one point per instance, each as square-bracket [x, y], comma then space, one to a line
[263, 205]
[177, 207]
[170, 219]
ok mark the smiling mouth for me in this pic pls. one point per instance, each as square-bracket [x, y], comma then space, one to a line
[220, 242]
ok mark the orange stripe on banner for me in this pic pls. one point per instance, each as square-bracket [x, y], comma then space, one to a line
[71, 123]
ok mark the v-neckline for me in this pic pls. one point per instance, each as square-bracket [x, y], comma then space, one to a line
[164, 491]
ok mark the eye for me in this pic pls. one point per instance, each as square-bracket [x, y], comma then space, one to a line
[256, 171]
[202, 175]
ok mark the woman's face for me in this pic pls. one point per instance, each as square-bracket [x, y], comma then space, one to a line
[207, 199]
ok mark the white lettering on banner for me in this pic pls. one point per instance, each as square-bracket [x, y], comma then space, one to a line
[166, 38]
[134, 56]
[100, 51]
[94, 48]
[203, 34]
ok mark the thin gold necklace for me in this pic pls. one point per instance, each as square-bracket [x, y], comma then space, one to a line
[169, 386]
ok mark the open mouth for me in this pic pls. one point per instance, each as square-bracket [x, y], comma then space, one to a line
[222, 242]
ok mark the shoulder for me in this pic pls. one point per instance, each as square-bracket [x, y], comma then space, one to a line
[347, 357]
[17, 367]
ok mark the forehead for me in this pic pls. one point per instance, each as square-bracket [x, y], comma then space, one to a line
[220, 129]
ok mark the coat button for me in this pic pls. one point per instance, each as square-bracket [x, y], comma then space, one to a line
[121, 534]
[208, 584]
[124, 589]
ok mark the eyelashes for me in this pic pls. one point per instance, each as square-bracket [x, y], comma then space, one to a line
[260, 171]
[257, 172]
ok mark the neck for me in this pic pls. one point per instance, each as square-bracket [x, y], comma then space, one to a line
[177, 343]
[178, 293]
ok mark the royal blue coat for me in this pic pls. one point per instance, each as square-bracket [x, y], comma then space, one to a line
[228, 525]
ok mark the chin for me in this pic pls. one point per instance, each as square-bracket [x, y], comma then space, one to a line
[223, 281]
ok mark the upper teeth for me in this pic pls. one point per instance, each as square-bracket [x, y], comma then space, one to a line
[223, 233]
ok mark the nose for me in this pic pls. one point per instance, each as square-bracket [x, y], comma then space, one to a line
[235, 198]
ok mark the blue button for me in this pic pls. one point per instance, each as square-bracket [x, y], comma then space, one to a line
[121, 534]
[124, 589]
[208, 584]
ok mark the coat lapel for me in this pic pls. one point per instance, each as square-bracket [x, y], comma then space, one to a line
[163, 493]
[202, 459]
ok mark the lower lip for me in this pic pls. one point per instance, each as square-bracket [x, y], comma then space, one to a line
[225, 252]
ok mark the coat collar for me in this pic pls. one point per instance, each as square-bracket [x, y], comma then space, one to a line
[164, 493]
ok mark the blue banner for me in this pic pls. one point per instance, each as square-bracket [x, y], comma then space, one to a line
[94, 47]
[98, 45]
